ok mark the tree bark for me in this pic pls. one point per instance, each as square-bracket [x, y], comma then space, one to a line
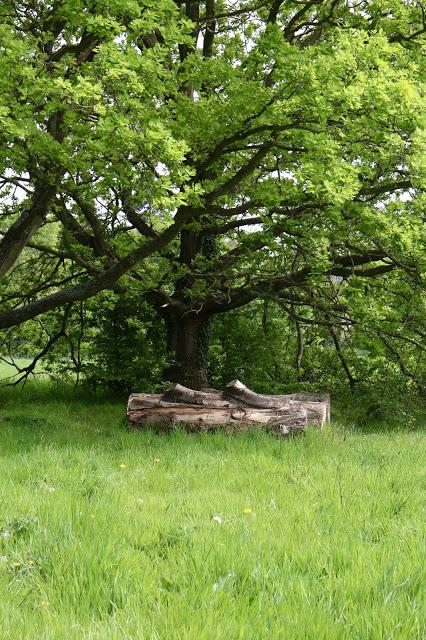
[300, 349]
[187, 338]
[17, 236]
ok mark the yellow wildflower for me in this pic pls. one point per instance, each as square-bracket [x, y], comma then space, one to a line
[123, 466]
[247, 510]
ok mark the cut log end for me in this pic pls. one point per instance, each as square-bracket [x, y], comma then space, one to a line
[235, 409]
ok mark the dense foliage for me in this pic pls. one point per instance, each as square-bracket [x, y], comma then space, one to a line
[201, 156]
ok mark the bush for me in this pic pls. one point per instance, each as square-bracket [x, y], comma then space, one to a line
[126, 349]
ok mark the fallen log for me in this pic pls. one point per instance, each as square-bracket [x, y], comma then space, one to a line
[311, 397]
[236, 408]
[183, 395]
[146, 400]
[200, 418]
[316, 405]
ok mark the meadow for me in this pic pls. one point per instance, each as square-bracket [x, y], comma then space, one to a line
[107, 534]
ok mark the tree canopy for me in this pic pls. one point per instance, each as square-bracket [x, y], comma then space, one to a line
[207, 154]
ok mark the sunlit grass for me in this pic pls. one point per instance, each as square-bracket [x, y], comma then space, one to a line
[106, 534]
[9, 373]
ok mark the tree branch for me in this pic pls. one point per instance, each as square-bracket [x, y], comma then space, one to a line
[105, 280]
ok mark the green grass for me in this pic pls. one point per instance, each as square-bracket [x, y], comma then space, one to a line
[106, 534]
[8, 373]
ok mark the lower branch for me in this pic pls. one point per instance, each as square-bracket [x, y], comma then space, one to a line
[29, 369]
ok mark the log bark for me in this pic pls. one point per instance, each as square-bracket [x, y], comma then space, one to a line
[184, 395]
[147, 400]
[200, 418]
[316, 405]
[311, 397]
[236, 409]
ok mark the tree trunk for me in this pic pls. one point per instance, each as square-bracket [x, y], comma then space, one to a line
[187, 341]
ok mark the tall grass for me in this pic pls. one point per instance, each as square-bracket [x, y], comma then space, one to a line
[106, 534]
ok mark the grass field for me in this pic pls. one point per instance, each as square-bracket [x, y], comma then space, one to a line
[106, 534]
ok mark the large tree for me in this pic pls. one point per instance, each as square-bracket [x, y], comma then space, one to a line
[213, 153]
